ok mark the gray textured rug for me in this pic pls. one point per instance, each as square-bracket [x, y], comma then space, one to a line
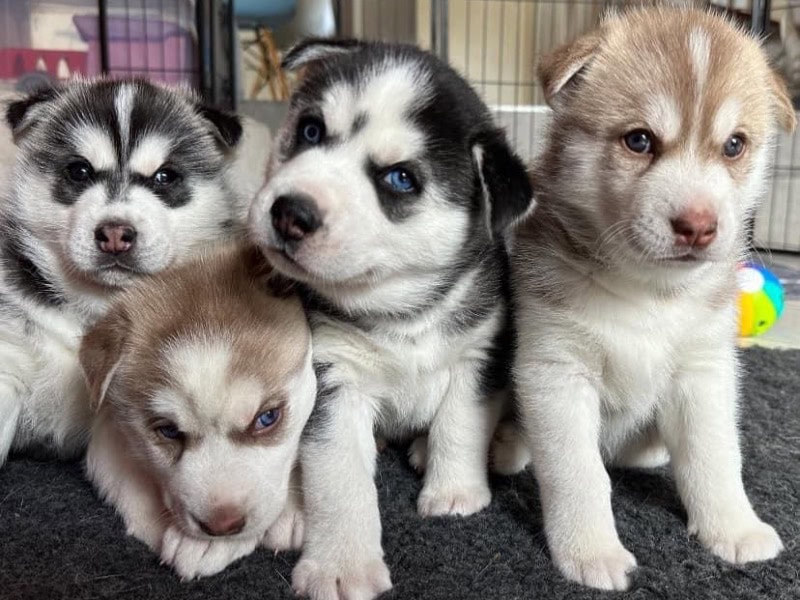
[58, 541]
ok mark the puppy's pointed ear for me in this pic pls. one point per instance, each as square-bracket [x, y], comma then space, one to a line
[101, 352]
[784, 109]
[225, 126]
[23, 114]
[314, 49]
[506, 186]
[560, 67]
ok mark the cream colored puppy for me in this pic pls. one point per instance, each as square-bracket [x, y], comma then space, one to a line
[203, 382]
[663, 121]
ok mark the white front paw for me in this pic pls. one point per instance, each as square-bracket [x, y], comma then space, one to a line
[436, 501]
[192, 557]
[740, 544]
[286, 532]
[363, 578]
[605, 567]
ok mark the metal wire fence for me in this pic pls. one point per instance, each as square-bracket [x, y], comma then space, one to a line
[494, 43]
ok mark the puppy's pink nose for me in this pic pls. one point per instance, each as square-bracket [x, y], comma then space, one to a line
[695, 227]
[115, 238]
[225, 520]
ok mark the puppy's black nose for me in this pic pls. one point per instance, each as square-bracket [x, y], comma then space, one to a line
[115, 238]
[295, 216]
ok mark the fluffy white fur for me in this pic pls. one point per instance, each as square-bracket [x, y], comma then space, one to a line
[161, 501]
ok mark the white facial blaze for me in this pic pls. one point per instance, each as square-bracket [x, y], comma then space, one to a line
[123, 104]
[150, 153]
[699, 52]
[94, 144]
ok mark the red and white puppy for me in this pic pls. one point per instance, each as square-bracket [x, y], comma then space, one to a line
[662, 132]
[203, 382]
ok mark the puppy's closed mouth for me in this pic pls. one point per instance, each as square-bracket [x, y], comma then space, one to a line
[118, 265]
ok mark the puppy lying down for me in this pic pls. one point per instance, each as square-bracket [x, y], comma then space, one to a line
[202, 382]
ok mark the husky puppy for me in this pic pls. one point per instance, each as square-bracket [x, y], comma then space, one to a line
[113, 180]
[388, 193]
[203, 380]
[624, 279]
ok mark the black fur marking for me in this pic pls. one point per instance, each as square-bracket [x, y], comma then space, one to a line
[16, 111]
[316, 49]
[22, 273]
[173, 195]
[508, 187]
[396, 206]
[317, 427]
[227, 125]
[359, 123]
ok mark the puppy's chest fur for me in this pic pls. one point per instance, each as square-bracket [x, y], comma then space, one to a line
[405, 369]
[633, 338]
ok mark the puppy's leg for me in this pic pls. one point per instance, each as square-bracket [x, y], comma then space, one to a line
[17, 366]
[699, 427]
[456, 477]
[645, 451]
[10, 409]
[561, 412]
[510, 453]
[123, 484]
[286, 533]
[342, 555]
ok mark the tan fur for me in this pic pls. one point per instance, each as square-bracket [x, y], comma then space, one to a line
[626, 328]
[204, 350]
[226, 292]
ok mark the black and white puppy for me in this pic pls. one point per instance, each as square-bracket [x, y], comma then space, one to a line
[388, 192]
[112, 180]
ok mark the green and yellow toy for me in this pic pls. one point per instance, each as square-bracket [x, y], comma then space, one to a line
[760, 299]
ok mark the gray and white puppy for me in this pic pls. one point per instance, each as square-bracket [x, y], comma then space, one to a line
[112, 180]
[389, 191]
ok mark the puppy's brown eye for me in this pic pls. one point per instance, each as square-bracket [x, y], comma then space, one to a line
[79, 171]
[733, 146]
[639, 141]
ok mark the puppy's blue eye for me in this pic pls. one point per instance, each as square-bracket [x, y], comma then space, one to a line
[312, 130]
[171, 432]
[400, 180]
[639, 141]
[266, 420]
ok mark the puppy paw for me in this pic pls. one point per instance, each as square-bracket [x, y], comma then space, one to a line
[509, 452]
[418, 453]
[435, 502]
[754, 542]
[193, 557]
[363, 579]
[286, 532]
[604, 568]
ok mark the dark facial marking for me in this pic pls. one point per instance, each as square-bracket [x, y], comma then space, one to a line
[359, 123]
[23, 273]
